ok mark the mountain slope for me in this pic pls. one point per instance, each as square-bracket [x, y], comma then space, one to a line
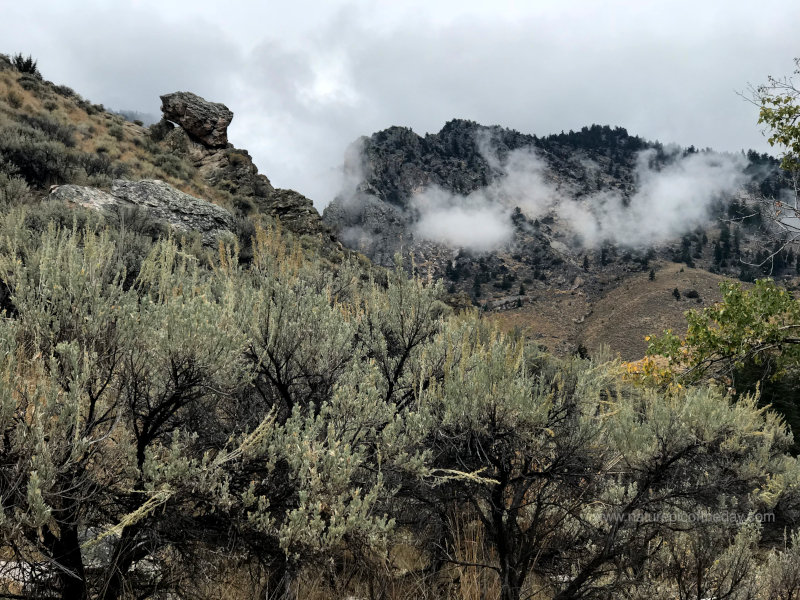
[513, 222]
[51, 136]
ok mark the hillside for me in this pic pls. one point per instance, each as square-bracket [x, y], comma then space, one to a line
[542, 232]
[542, 278]
[50, 136]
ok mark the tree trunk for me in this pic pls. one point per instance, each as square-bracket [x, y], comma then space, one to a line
[66, 552]
[125, 554]
[512, 575]
[510, 583]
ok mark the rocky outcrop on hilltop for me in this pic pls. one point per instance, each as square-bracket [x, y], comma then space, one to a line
[201, 137]
[396, 163]
[159, 200]
[207, 122]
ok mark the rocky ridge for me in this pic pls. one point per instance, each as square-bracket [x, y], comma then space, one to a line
[377, 217]
[220, 186]
[201, 137]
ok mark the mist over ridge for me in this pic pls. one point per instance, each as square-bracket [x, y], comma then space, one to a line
[463, 185]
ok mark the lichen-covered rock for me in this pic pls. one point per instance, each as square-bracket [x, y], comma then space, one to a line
[206, 122]
[87, 197]
[160, 200]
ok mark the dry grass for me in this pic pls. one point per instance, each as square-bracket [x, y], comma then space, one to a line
[473, 583]
[552, 320]
[99, 131]
[401, 575]
[638, 307]
[620, 318]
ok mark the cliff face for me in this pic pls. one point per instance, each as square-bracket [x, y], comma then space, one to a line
[397, 162]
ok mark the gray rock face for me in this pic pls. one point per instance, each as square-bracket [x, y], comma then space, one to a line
[207, 122]
[160, 200]
[396, 162]
[377, 218]
[87, 197]
[374, 228]
[296, 211]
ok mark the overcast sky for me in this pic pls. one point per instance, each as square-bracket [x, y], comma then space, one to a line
[305, 78]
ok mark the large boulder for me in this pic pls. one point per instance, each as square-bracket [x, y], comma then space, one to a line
[206, 122]
[159, 200]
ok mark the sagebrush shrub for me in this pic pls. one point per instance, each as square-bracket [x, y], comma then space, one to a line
[116, 132]
[13, 189]
[14, 99]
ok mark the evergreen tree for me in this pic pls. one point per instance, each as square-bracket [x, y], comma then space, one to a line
[725, 241]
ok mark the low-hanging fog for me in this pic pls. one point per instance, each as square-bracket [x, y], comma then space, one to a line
[668, 200]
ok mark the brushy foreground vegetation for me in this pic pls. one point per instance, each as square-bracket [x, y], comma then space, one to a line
[174, 422]
[262, 423]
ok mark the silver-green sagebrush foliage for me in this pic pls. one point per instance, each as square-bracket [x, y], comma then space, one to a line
[201, 411]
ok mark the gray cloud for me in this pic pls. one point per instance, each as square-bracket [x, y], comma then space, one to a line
[306, 78]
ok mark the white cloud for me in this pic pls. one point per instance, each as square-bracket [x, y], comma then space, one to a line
[667, 202]
[461, 222]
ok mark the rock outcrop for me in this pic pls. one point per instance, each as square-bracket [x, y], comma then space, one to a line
[199, 139]
[159, 200]
[376, 229]
[206, 122]
[397, 163]
[87, 197]
[296, 212]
